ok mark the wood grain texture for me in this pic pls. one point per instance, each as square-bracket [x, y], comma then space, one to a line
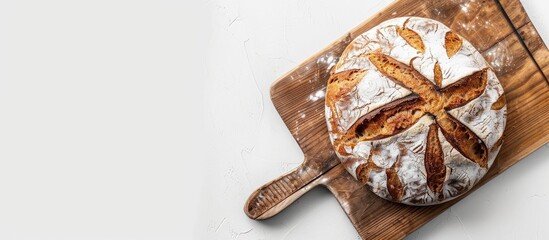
[297, 97]
[536, 46]
[276, 195]
[528, 34]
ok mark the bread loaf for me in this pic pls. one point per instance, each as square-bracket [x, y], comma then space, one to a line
[415, 112]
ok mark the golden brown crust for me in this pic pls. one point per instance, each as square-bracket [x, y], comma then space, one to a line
[401, 114]
[340, 84]
[452, 43]
[401, 73]
[343, 82]
[434, 161]
[394, 185]
[464, 90]
[438, 74]
[408, 77]
[340, 147]
[363, 170]
[411, 38]
[500, 103]
[464, 140]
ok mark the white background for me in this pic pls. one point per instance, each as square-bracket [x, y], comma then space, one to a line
[152, 120]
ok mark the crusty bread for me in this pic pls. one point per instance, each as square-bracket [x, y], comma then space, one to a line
[415, 112]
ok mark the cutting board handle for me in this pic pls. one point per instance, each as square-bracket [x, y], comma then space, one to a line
[276, 195]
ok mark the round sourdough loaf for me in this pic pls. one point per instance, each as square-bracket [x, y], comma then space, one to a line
[414, 111]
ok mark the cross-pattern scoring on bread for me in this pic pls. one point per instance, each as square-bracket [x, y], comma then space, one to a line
[414, 111]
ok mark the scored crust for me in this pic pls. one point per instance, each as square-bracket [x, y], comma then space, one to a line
[414, 111]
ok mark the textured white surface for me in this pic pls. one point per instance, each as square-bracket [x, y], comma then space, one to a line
[104, 109]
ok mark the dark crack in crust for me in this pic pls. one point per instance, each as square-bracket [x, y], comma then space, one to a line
[464, 140]
[394, 185]
[409, 78]
[388, 120]
[404, 75]
[465, 90]
[434, 161]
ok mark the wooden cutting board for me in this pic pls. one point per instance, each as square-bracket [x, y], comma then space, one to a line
[500, 30]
